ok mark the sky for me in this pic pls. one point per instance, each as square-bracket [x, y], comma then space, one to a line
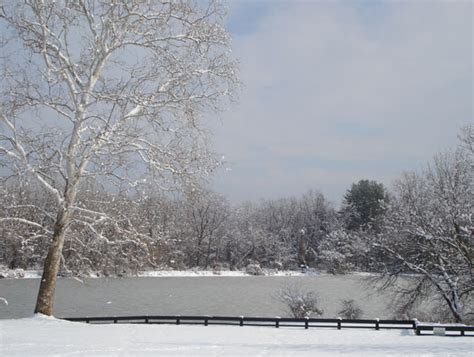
[334, 92]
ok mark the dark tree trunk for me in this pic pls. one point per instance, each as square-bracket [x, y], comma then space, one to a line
[45, 299]
[302, 250]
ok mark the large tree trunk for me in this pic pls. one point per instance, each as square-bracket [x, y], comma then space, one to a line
[44, 302]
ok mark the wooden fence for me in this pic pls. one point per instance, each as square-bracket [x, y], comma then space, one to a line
[338, 323]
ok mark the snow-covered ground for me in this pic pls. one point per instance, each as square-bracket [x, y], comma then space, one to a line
[35, 274]
[41, 336]
[188, 273]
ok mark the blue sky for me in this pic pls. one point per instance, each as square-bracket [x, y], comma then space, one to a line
[334, 92]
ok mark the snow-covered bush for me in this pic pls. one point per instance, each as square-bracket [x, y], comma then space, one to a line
[6, 273]
[300, 303]
[254, 269]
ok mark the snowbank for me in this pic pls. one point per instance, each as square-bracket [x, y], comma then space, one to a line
[41, 335]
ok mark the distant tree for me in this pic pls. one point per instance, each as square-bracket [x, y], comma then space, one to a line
[257, 233]
[205, 215]
[467, 139]
[338, 250]
[364, 202]
[286, 231]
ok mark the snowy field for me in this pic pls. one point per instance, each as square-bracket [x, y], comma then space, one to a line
[43, 336]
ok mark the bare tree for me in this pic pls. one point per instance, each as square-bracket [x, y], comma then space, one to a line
[206, 213]
[110, 91]
[429, 232]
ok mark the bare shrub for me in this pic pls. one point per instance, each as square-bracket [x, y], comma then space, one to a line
[300, 303]
[350, 310]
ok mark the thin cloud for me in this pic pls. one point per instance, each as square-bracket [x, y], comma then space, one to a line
[372, 89]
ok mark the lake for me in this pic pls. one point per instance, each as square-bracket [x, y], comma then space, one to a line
[200, 295]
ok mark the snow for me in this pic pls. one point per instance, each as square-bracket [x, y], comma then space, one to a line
[35, 274]
[190, 273]
[42, 335]
[19, 273]
[32, 274]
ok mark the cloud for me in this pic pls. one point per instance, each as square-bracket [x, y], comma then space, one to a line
[335, 92]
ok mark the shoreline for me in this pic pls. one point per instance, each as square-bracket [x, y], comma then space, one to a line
[36, 274]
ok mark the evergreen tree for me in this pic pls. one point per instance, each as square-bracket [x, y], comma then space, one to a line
[364, 202]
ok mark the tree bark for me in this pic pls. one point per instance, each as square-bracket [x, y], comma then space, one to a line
[45, 299]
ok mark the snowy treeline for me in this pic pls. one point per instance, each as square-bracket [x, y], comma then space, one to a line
[158, 231]
[202, 230]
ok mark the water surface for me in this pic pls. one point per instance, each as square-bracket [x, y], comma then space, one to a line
[219, 295]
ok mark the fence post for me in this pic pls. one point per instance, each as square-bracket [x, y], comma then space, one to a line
[146, 319]
[277, 321]
[177, 320]
[377, 324]
[339, 323]
[206, 321]
[306, 323]
[241, 321]
[115, 320]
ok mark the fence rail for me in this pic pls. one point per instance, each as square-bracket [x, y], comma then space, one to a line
[377, 324]
[449, 330]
